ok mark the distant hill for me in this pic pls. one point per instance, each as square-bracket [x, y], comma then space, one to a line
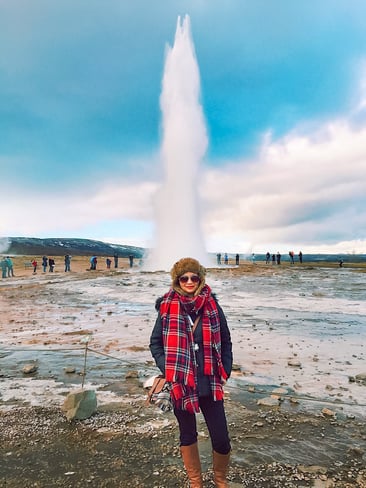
[59, 247]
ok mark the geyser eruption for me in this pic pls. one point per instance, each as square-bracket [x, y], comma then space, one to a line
[178, 229]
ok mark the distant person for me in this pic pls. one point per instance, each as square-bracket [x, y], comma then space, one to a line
[94, 262]
[268, 257]
[218, 257]
[130, 257]
[273, 259]
[115, 257]
[4, 268]
[291, 254]
[300, 257]
[9, 262]
[237, 258]
[253, 258]
[44, 263]
[51, 264]
[278, 258]
[34, 264]
[340, 263]
[67, 263]
[108, 262]
[226, 259]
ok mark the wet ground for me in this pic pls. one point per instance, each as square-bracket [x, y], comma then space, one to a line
[315, 316]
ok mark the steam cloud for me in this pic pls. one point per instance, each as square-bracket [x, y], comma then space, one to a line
[178, 229]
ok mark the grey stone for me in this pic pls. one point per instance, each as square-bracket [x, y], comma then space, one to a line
[361, 378]
[80, 404]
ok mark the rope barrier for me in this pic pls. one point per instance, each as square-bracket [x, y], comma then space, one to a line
[296, 396]
[247, 389]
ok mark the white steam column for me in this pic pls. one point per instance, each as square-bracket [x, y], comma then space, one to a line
[178, 228]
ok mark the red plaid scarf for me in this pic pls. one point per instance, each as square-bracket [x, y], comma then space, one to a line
[178, 342]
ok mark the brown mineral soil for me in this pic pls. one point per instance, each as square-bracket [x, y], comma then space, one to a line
[128, 444]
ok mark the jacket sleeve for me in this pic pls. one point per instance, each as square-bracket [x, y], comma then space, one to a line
[226, 344]
[156, 345]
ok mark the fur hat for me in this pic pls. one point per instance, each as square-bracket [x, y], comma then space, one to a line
[187, 265]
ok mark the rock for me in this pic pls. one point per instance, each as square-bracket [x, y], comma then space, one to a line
[356, 451]
[329, 413]
[279, 391]
[323, 483]
[269, 402]
[236, 367]
[313, 469]
[361, 378]
[80, 404]
[295, 363]
[361, 479]
[70, 370]
[30, 368]
[132, 374]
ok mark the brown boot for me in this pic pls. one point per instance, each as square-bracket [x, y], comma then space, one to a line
[192, 463]
[220, 467]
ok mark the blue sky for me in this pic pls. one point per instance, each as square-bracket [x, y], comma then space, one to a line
[283, 90]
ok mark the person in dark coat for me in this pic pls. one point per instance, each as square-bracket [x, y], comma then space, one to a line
[192, 347]
[67, 263]
[51, 264]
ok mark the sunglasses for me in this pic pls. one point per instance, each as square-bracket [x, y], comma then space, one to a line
[194, 279]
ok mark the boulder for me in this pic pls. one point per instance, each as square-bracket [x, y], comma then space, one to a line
[30, 368]
[80, 404]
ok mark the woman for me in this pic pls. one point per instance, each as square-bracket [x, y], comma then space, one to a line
[192, 347]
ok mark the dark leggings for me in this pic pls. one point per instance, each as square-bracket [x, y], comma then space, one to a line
[215, 418]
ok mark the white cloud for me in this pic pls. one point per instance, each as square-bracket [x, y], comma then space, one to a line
[62, 213]
[301, 190]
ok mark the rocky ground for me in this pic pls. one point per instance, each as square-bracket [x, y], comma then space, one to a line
[129, 444]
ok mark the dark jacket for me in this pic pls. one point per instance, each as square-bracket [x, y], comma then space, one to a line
[157, 348]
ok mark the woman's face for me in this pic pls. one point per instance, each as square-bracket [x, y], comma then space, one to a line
[189, 282]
